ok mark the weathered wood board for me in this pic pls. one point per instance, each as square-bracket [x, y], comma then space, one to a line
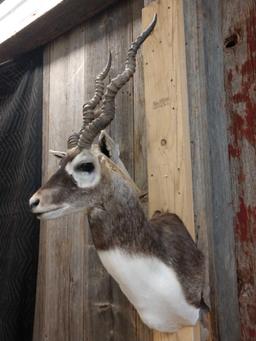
[210, 167]
[76, 298]
[239, 36]
[169, 159]
[60, 308]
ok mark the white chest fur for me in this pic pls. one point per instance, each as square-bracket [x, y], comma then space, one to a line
[152, 287]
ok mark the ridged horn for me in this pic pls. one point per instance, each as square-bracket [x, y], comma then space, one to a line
[73, 140]
[88, 108]
[108, 103]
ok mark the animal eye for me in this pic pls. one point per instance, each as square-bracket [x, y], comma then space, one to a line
[85, 167]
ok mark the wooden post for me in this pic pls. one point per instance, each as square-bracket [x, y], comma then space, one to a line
[169, 159]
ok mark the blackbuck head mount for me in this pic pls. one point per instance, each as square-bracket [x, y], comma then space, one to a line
[155, 262]
[86, 169]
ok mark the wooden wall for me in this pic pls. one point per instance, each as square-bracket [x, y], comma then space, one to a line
[76, 298]
[213, 209]
[239, 35]
[221, 45]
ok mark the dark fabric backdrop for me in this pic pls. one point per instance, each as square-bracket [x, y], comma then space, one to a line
[20, 176]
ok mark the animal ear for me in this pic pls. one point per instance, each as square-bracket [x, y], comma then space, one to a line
[111, 149]
[108, 146]
[58, 154]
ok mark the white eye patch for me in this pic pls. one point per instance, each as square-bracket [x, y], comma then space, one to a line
[85, 170]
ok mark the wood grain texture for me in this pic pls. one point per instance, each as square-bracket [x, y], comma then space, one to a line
[76, 298]
[211, 175]
[239, 36]
[52, 24]
[139, 140]
[199, 141]
[59, 309]
[221, 241]
[169, 160]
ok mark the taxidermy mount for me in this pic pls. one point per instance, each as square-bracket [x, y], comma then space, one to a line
[155, 262]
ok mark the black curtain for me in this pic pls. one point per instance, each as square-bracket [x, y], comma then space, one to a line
[20, 176]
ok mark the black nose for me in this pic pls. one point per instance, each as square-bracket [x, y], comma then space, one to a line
[35, 203]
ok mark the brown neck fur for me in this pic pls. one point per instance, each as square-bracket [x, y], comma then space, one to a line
[120, 222]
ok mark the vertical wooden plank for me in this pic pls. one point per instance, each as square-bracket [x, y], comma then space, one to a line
[41, 283]
[221, 234]
[239, 36]
[59, 312]
[120, 37]
[199, 137]
[167, 118]
[76, 224]
[140, 141]
[169, 161]
[211, 175]
[139, 138]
